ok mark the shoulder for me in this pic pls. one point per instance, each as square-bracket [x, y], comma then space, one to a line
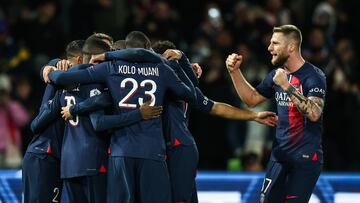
[79, 67]
[314, 72]
[272, 72]
[165, 66]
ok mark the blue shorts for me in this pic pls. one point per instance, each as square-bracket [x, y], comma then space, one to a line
[182, 163]
[41, 178]
[290, 183]
[138, 180]
[87, 188]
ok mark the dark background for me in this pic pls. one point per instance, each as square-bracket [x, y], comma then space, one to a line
[32, 32]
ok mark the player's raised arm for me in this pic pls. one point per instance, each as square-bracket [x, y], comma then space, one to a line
[311, 106]
[246, 92]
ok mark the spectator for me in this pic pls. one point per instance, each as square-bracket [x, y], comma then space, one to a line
[12, 117]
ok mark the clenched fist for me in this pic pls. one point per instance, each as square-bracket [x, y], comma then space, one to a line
[233, 62]
[280, 78]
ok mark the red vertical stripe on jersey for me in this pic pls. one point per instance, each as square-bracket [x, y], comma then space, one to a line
[296, 119]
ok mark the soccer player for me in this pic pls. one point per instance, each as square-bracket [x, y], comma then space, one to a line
[84, 152]
[299, 89]
[182, 155]
[41, 163]
[76, 186]
[182, 152]
[137, 168]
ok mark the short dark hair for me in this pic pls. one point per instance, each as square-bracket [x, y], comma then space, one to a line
[92, 46]
[290, 31]
[74, 48]
[105, 37]
[118, 45]
[161, 46]
[137, 39]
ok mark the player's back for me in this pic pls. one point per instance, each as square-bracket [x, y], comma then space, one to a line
[49, 140]
[176, 114]
[84, 150]
[132, 84]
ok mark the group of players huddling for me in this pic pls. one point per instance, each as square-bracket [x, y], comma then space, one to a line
[112, 125]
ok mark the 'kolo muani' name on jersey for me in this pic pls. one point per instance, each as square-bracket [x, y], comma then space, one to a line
[145, 71]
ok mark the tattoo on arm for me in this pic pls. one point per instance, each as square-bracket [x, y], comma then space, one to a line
[310, 107]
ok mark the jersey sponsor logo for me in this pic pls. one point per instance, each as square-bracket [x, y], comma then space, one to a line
[145, 71]
[317, 90]
[282, 99]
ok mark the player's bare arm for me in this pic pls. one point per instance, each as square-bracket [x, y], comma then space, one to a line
[311, 107]
[230, 112]
[246, 92]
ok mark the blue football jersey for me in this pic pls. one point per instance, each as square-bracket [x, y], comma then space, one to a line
[130, 85]
[49, 131]
[84, 151]
[296, 136]
[176, 117]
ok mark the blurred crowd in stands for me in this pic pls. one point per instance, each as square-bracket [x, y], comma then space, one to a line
[33, 32]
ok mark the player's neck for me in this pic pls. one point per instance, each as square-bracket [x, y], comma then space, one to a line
[294, 63]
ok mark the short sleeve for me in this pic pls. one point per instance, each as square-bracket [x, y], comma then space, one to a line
[203, 103]
[265, 88]
[315, 86]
